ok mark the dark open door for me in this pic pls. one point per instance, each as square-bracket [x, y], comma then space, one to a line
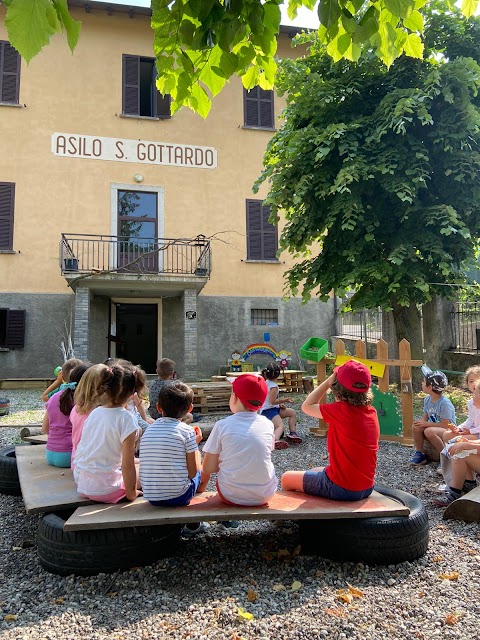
[137, 334]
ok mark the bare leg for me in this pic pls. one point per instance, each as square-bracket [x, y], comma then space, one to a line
[293, 480]
[291, 414]
[188, 419]
[278, 427]
[434, 435]
[418, 438]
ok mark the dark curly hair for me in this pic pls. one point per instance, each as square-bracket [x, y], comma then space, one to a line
[355, 398]
[271, 371]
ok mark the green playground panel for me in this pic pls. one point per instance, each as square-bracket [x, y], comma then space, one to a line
[389, 412]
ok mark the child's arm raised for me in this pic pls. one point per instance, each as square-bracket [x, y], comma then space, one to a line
[311, 405]
[52, 387]
[128, 467]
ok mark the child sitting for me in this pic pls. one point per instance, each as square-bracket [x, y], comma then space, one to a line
[166, 376]
[437, 409]
[352, 440]
[105, 458]
[276, 411]
[85, 402]
[239, 448]
[62, 379]
[169, 456]
[57, 424]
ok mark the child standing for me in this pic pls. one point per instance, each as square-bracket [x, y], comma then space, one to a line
[352, 440]
[275, 411]
[57, 424]
[166, 375]
[105, 458]
[239, 448]
[437, 409]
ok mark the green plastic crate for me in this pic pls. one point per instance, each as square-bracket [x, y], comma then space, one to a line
[314, 349]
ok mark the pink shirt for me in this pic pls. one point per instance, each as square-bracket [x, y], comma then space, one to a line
[59, 427]
[77, 420]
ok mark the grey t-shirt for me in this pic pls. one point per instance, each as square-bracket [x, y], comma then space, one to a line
[153, 396]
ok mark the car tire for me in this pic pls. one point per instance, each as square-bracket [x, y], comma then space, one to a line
[384, 540]
[9, 482]
[87, 553]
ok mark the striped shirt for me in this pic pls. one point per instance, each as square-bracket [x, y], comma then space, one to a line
[163, 462]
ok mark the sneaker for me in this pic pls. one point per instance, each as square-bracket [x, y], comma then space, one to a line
[439, 469]
[418, 459]
[280, 444]
[194, 528]
[293, 438]
[228, 525]
[442, 488]
[468, 485]
[446, 498]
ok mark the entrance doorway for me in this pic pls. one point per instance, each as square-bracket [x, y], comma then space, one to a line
[137, 334]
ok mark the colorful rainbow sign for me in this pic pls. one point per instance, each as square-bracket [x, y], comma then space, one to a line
[264, 349]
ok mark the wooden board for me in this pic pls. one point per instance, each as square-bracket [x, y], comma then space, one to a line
[25, 383]
[288, 505]
[41, 438]
[466, 508]
[45, 488]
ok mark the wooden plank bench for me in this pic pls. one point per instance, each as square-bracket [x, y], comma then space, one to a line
[25, 383]
[285, 505]
[45, 488]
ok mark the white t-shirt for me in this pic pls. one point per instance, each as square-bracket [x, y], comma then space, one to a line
[472, 423]
[163, 462]
[271, 384]
[98, 458]
[244, 442]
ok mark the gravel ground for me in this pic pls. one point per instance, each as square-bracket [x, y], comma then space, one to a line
[197, 593]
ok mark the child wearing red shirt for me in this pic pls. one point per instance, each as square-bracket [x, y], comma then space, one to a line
[352, 439]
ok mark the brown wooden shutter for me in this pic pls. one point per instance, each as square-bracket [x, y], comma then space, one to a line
[261, 235]
[7, 199]
[9, 73]
[131, 85]
[258, 108]
[15, 338]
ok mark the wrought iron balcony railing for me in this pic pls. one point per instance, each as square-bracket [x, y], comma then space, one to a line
[126, 255]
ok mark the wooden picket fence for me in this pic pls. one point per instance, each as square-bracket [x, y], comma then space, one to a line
[404, 361]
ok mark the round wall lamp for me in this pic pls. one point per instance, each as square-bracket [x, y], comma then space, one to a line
[138, 177]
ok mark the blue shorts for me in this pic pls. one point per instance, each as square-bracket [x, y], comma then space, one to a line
[317, 483]
[182, 500]
[271, 413]
[61, 459]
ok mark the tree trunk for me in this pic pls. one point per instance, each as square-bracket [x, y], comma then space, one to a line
[437, 336]
[408, 325]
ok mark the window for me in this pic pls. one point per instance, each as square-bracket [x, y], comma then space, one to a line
[140, 95]
[9, 73]
[7, 199]
[137, 230]
[264, 317]
[261, 234]
[12, 329]
[258, 108]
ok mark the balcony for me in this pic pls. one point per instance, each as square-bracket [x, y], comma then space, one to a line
[147, 266]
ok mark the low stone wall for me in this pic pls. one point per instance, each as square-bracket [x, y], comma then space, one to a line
[458, 361]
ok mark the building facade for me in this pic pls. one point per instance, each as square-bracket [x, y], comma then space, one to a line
[134, 231]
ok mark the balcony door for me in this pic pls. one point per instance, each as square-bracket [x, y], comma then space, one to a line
[137, 231]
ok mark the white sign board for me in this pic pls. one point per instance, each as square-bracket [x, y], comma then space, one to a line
[74, 145]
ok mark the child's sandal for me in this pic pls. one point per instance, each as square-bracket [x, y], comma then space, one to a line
[280, 444]
[293, 438]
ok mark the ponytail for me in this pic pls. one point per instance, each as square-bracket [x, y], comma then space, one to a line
[66, 399]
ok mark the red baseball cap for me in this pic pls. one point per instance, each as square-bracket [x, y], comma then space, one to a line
[251, 390]
[354, 376]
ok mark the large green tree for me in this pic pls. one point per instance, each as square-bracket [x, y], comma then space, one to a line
[378, 174]
[200, 44]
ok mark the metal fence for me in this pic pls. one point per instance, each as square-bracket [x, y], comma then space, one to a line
[465, 326]
[363, 325]
[101, 253]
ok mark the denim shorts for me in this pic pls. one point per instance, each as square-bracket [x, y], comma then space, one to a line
[61, 459]
[182, 500]
[317, 483]
[271, 413]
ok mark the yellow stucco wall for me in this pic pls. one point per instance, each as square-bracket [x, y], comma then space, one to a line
[82, 94]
